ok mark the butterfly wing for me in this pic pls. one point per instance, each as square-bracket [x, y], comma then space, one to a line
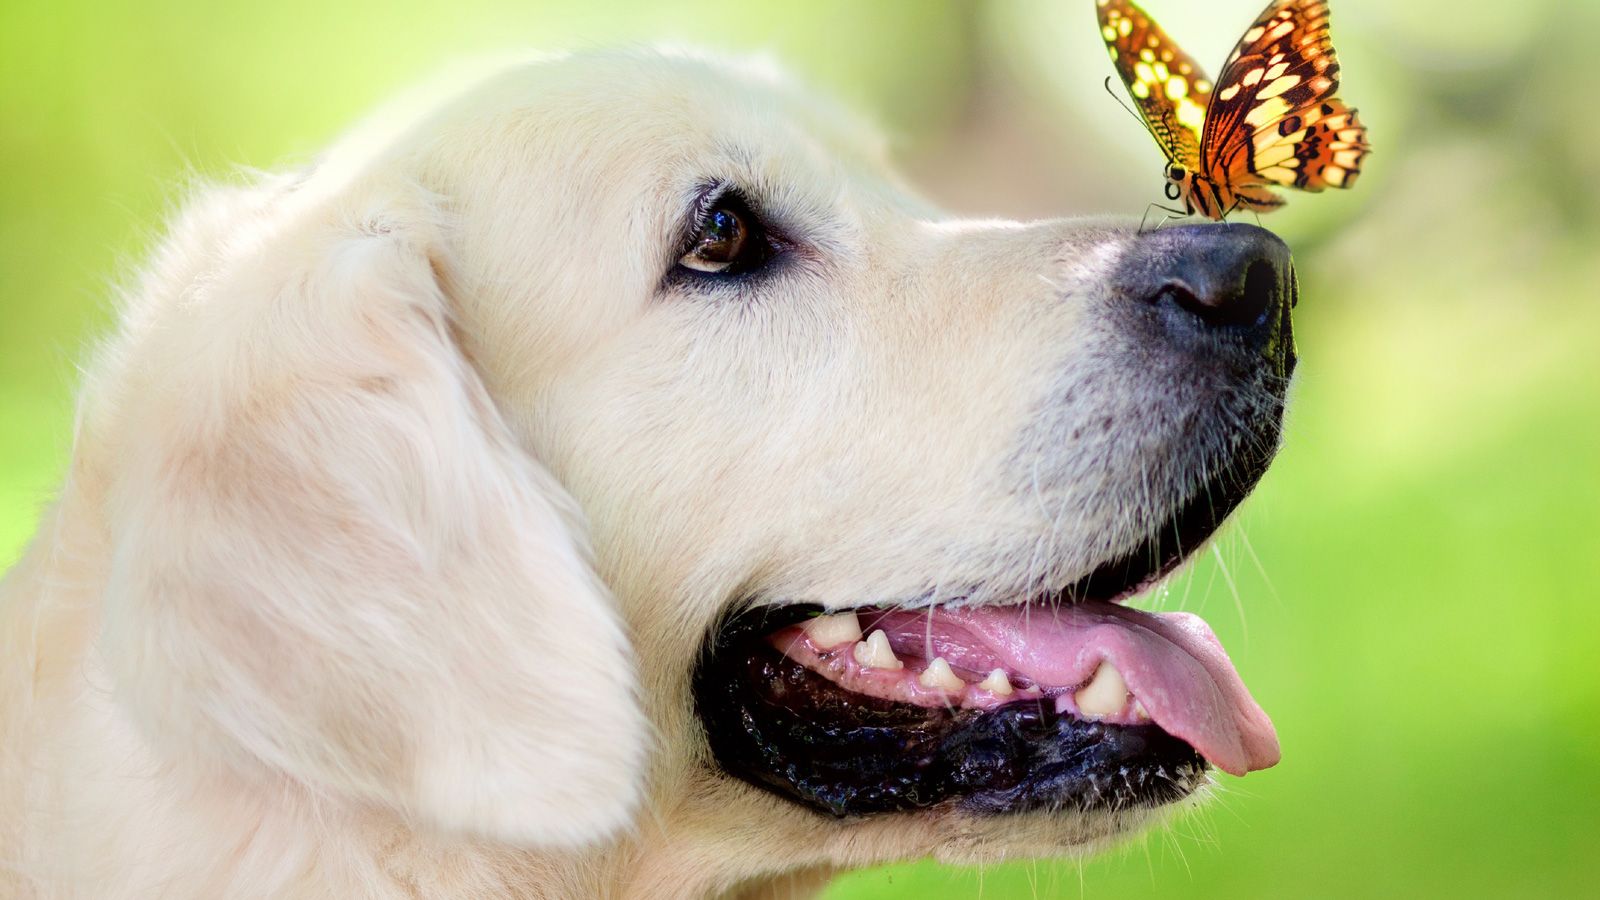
[1168, 86]
[1319, 147]
[1274, 118]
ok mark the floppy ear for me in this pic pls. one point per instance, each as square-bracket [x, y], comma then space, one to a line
[333, 563]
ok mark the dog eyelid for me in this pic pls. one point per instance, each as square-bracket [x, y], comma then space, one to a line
[725, 237]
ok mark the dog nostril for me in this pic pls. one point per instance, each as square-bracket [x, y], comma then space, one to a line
[1243, 302]
[1260, 293]
[1179, 293]
[1234, 282]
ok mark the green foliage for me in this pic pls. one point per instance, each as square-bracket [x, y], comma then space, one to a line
[1412, 592]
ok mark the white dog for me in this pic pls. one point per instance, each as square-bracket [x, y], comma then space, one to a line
[455, 518]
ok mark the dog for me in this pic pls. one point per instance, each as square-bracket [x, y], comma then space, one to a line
[610, 481]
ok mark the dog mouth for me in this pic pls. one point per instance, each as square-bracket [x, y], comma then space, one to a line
[1070, 700]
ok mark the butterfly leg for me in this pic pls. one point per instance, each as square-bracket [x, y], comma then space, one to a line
[1170, 215]
[1254, 212]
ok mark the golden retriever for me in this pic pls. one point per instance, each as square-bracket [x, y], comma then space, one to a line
[611, 482]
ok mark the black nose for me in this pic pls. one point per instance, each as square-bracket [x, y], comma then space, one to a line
[1216, 278]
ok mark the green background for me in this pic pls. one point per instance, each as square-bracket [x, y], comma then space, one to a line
[1411, 594]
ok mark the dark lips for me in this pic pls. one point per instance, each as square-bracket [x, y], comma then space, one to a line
[775, 724]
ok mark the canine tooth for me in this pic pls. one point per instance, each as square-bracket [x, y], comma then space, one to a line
[875, 652]
[828, 632]
[938, 675]
[997, 683]
[1105, 694]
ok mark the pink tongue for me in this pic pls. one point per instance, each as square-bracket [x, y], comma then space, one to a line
[1172, 663]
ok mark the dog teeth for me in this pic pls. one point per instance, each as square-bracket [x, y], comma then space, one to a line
[1139, 713]
[938, 675]
[828, 632]
[1105, 694]
[997, 683]
[875, 653]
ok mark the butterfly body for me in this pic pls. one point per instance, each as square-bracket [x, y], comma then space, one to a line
[1270, 120]
[1214, 199]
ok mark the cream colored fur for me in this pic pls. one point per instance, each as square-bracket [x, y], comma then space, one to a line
[408, 488]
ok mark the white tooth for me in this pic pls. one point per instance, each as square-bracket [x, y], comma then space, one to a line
[1105, 694]
[938, 675]
[875, 653]
[828, 632]
[997, 683]
[1139, 713]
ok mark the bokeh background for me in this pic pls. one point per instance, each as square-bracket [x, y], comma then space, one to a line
[1413, 592]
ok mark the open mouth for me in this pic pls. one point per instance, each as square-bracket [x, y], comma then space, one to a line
[1069, 700]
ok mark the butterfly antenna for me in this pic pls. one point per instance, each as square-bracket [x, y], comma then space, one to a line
[1136, 117]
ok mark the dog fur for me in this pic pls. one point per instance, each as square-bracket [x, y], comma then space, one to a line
[409, 486]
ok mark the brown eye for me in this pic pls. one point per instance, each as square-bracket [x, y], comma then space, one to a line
[720, 243]
[730, 240]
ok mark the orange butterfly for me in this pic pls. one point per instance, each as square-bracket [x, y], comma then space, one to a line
[1270, 120]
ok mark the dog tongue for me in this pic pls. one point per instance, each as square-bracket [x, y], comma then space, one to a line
[1172, 663]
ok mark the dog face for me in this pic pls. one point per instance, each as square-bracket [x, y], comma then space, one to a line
[787, 387]
[862, 483]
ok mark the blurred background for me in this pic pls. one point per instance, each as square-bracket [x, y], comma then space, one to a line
[1412, 594]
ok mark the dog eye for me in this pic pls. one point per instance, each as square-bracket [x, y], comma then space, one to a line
[730, 241]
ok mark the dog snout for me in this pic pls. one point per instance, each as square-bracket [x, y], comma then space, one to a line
[1214, 280]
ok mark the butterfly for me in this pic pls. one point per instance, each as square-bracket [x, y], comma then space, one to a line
[1271, 119]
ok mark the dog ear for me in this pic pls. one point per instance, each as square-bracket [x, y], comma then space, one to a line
[333, 562]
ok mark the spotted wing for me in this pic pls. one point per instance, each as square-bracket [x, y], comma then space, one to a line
[1168, 86]
[1274, 118]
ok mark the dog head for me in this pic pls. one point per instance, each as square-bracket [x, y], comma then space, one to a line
[863, 484]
